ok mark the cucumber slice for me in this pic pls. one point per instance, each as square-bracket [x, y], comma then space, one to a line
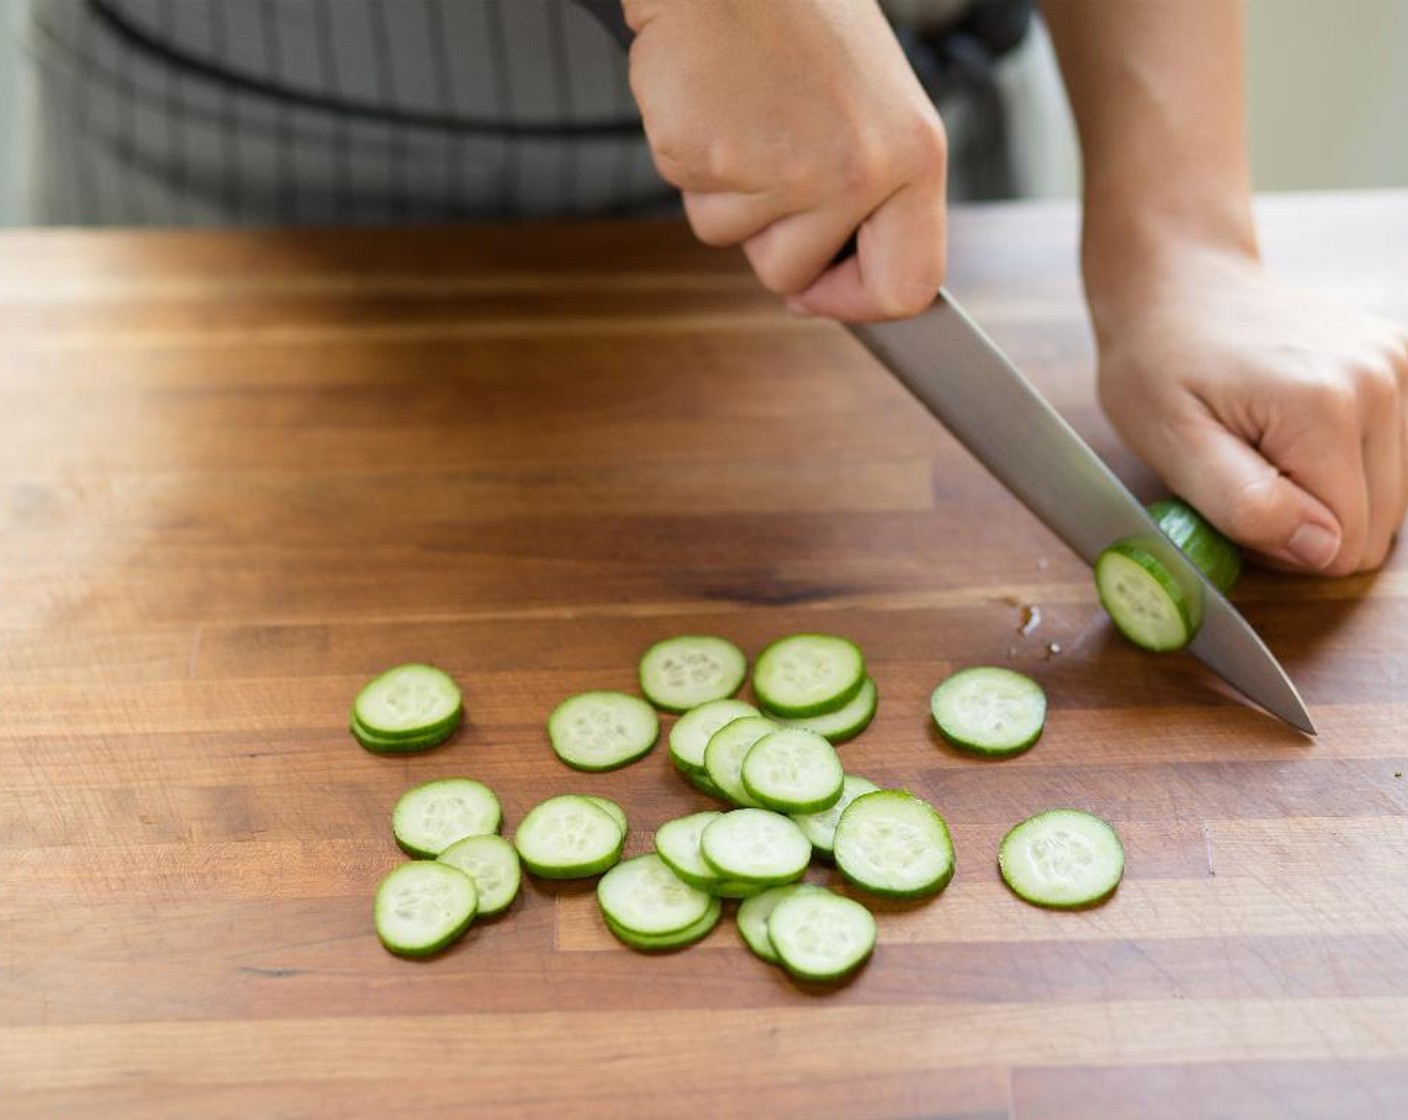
[808, 675]
[409, 702]
[677, 843]
[602, 730]
[893, 844]
[692, 731]
[379, 744]
[754, 913]
[1212, 553]
[731, 888]
[568, 837]
[844, 723]
[430, 817]
[705, 784]
[755, 846]
[723, 757]
[1062, 859]
[1144, 600]
[682, 673]
[989, 711]
[615, 811]
[820, 828]
[818, 935]
[793, 771]
[492, 865]
[657, 943]
[423, 907]
[643, 897]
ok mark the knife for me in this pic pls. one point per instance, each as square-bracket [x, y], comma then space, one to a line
[958, 373]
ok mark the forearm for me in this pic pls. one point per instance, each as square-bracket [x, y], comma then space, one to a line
[1157, 91]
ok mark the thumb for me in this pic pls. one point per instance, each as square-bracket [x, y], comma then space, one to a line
[1250, 500]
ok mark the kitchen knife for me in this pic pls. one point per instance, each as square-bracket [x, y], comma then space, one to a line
[960, 375]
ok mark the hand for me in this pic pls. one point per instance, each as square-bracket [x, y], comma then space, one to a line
[1279, 415]
[789, 126]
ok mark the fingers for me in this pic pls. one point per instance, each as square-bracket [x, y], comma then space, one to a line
[1383, 421]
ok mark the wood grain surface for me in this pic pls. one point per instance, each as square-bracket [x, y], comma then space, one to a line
[239, 474]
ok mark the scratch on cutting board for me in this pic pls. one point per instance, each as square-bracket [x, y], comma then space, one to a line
[254, 970]
[1207, 846]
[194, 654]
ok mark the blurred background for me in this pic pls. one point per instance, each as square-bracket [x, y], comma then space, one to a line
[1327, 99]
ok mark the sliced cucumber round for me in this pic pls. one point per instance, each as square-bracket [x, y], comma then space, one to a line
[819, 935]
[677, 843]
[893, 844]
[602, 730]
[658, 943]
[379, 744]
[615, 811]
[568, 837]
[409, 702]
[793, 771]
[492, 865]
[820, 828]
[643, 897]
[692, 731]
[808, 675]
[753, 917]
[1144, 600]
[430, 817]
[723, 757]
[989, 711]
[423, 907]
[732, 888]
[755, 846]
[705, 784]
[1062, 859]
[682, 673]
[1212, 553]
[844, 723]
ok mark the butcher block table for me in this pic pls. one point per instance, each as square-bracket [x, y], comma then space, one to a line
[242, 473]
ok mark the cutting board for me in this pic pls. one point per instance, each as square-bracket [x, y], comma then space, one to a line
[242, 473]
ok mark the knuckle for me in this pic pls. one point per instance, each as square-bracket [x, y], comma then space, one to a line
[1252, 510]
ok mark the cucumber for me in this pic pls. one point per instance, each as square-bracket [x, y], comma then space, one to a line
[844, 723]
[615, 811]
[1062, 859]
[754, 846]
[793, 771]
[732, 888]
[818, 935]
[682, 673]
[644, 898]
[808, 675]
[893, 844]
[1144, 600]
[677, 843]
[820, 828]
[989, 711]
[408, 708]
[661, 942]
[492, 865]
[692, 732]
[568, 837]
[1212, 553]
[423, 907]
[753, 917]
[602, 730]
[705, 784]
[430, 817]
[723, 757]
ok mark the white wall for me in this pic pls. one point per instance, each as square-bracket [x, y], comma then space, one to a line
[9, 13]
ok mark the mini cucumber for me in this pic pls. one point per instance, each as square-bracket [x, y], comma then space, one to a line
[844, 723]
[658, 943]
[681, 673]
[408, 708]
[754, 846]
[989, 711]
[819, 935]
[423, 907]
[430, 817]
[808, 675]
[643, 897]
[753, 917]
[1211, 552]
[568, 837]
[1062, 859]
[723, 757]
[677, 843]
[895, 845]
[793, 771]
[492, 864]
[602, 730]
[692, 732]
[820, 828]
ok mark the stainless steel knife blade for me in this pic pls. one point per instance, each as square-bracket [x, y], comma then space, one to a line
[943, 357]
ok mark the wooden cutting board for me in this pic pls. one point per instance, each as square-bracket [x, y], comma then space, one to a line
[241, 473]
